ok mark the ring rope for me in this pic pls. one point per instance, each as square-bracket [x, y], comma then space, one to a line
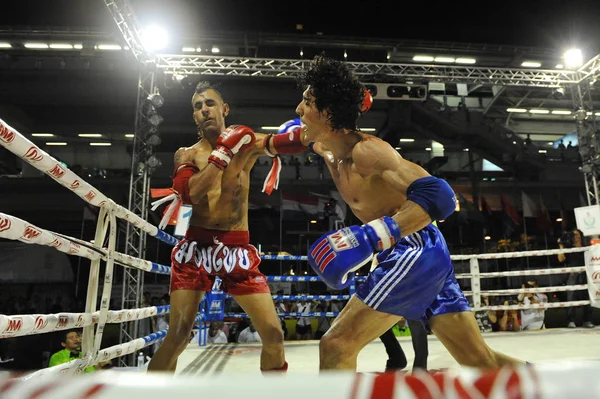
[16, 143]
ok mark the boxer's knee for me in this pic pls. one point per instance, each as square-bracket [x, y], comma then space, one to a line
[333, 349]
[179, 336]
[272, 335]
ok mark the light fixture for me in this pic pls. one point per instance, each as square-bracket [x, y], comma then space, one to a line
[153, 139]
[561, 112]
[36, 46]
[516, 110]
[129, 135]
[465, 61]
[89, 135]
[487, 238]
[108, 47]
[539, 111]
[423, 58]
[155, 120]
[573, 58]
[542, 151]
[447, 60]
[531, 64]
[61, 46]
[5, 45]
[100, 144]
[42, 134]
[156, 99]
[215, 50]
[407, 140]
[188, 49]
[153, 162]
[428, 149]
[154, 38]
[368, 129]
[559, 219]
[57, 143]
[270, 128]
[465, 149]
[313, 222]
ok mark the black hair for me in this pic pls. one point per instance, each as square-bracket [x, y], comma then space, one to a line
[67, 332]
[336, 90]
[204, 85]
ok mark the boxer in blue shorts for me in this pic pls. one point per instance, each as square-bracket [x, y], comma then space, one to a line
[411, 271]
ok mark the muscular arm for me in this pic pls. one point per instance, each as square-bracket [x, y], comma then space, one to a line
[375, 157]
[199, 183]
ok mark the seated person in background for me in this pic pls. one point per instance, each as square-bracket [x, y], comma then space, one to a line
[486, 318]
[532, 319]
[508, 320]
[216, 334]
[72, 350]
[249, 334]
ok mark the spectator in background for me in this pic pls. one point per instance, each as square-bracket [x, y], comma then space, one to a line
[508, 320]
[216, 335]
[485, 318]
[303, 326]
[532, 319]
[72, 350]
[574, 239]
[249, 334]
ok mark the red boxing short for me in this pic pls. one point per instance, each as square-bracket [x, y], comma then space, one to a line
[204, 254]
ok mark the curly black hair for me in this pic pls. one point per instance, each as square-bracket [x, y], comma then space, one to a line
[336, 90]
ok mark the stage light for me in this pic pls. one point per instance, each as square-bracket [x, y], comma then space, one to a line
[154, 38]
[573, 58]
[156, 99]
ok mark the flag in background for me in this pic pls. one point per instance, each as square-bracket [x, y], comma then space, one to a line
[529, 206]
[467, 210]
[510, 217]
[543, 221]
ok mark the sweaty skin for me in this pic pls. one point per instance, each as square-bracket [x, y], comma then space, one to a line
[365, 170]
[220, 198]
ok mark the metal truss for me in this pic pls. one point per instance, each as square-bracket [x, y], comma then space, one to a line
[139, 195]
[128, 25]
[282, 68]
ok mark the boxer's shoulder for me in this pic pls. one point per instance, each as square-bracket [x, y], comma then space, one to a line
[371, 155]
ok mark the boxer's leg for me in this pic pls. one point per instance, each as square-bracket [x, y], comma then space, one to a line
[460, 334]
[262, 312]
[184, 308]
[352, 330]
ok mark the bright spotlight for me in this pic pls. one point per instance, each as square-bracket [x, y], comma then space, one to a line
[154, 38]
[573, 58]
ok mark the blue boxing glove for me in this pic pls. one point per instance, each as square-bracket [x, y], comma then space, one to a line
[336, 256]
[289, 126]
[286, 141]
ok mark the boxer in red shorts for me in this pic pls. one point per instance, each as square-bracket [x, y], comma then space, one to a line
[213, 176]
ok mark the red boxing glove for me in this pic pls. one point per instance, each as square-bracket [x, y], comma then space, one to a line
[286, 143]
[181, 179]
[229, 143]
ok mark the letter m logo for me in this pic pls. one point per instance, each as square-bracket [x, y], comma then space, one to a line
[14, 325]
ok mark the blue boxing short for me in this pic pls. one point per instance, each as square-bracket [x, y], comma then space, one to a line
[414, 279]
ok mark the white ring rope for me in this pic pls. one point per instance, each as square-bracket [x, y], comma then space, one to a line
[14, 228]
[519, 254]
[16, 143]
[28, 324]
[534, 272]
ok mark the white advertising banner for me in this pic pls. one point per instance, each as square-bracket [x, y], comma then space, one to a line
[588, 219]
[592, 265]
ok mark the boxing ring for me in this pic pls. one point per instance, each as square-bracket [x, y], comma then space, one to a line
[544, 380]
